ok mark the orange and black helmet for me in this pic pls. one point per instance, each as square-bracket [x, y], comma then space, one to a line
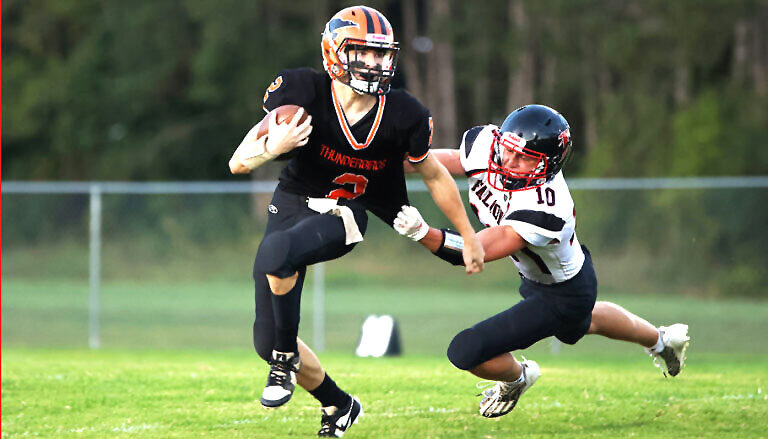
[347, 35]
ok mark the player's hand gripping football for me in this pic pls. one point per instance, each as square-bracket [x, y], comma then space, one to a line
[284, 137]
[410, 223]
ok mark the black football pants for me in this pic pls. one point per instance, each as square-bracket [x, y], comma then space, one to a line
[563, 310]
[295, 237]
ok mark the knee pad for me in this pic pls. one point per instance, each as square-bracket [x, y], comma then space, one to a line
[273, 256]
[466, 349]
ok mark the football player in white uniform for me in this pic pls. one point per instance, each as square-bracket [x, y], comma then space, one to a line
[517, 189]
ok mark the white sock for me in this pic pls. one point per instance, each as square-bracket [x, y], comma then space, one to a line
[659, 346]
[519, 380]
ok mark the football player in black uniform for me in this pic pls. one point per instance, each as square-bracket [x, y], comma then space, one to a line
[518, 191]
[345, 159]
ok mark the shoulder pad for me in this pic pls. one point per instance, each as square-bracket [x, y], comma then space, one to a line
[410, 110]
[469, 138]
[291, 86]
[474, 149]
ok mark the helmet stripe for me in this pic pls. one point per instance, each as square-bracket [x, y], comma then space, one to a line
[369, 21]
[382, 23]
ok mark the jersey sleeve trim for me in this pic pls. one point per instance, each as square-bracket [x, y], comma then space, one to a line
[418, 159]
[543, 220]
[533, 235]
[473, 172]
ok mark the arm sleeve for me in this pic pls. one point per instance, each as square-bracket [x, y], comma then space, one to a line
[292, 86]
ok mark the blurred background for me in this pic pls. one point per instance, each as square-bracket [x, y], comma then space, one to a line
[148, 91]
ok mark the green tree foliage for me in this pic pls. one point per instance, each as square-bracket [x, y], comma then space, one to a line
[153, 90]
[143, 90]
[164, 90]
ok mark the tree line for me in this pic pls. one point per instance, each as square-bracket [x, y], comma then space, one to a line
[164, 90]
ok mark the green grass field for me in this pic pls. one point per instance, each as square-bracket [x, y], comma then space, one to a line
[214, 394]
[218, 314]
[177, 363]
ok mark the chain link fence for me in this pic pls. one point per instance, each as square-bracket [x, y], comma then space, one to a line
[168, 265]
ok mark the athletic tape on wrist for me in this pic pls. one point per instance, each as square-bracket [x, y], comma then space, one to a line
[451, 247]
[254, 154]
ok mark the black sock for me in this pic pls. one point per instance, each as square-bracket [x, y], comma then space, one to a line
[328, 393]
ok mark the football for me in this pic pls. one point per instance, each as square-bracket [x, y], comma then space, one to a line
[284, 115]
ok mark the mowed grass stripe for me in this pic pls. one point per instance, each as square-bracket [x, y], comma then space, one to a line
[214, 394]
[45, 313]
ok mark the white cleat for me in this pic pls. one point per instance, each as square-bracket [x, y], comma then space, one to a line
[676, 340]
[335, 422]
[502, 397]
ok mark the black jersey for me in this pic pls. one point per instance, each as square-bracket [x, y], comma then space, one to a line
[363, 162]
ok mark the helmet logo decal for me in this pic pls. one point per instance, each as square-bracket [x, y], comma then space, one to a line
[379, 38]
[564, 137]
[337, 23]
[516, 142]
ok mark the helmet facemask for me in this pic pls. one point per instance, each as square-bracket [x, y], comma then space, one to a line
[509, 180]
[361, 76]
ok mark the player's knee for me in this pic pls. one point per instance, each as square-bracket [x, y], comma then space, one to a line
[465, 349]
[273, 256]
[600, 312]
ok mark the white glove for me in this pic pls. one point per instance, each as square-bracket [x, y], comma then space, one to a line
[410, 223]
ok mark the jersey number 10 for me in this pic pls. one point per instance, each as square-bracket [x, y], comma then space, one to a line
[549, 194]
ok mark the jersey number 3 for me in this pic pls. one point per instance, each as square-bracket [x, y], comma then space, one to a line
[359, 183]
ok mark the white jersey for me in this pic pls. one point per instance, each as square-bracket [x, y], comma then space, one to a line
[544, 217]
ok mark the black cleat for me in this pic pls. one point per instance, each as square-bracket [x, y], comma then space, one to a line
[335, 422]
